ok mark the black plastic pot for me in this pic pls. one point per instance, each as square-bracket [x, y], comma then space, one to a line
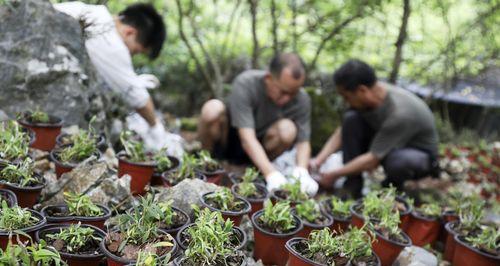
[95, 221]
[31, 230]
[26, 196]
[9, 197]
[74, 259]
[183, 242]
[234, 216]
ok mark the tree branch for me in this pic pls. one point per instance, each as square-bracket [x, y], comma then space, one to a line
[274, 27]
[255, 51]
[398, 55]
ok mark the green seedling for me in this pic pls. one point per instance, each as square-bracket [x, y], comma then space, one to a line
[488, 240]
[162, 160]
[15, 218]
[83, 146]
[133, 148]
[294, 192]
[206, 162]
[308, 210]
[341, 208]
[155, 213]
[225, 200]
[75, 237]
[150, 259]
[323, 242]
[14, 142]
[247, 189]
[81, 205]
[21, 174]
[35, 255]
[278, 217]
[357, 243]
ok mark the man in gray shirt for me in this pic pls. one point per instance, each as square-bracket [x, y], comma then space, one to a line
[385, 125]
[266, 113]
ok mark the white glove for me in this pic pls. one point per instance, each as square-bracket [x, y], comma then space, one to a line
[275, 180]
[307, 184]
[150, 81]
[155, 137]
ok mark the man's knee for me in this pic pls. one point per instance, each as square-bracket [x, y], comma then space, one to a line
[212, 111]
[287, 131]
[406, 163]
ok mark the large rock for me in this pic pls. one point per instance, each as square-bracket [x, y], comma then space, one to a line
[186, 193]
[44, 64]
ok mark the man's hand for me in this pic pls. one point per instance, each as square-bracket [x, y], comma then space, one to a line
[275, 180]
[328, 179]
[150, 81]
[314, 164]
[307, 184]
[156, 137]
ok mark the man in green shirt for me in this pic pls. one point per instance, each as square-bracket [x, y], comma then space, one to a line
[385, 125]
[266, 114]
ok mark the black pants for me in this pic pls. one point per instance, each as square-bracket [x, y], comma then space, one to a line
[399, 165]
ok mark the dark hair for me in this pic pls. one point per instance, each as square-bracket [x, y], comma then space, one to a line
[354, 73]
[284, 60]
[151, 31]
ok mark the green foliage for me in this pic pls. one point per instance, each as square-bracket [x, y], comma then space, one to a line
[83, 146]
[247, 189]
[36, 116]
[155, 212]
[378, 203]
[81, 205]
[136, 228]
[308, 210]
[134, 148]
[357, 243]
[278, 217]
[162, 160]
[389, 222]
[21, 174]
[150, 259]
[75, 237]
[14, 218]
[471, 213]
[323, 242]
[339, 207]
[488, 239]
[224, 199]
[188, 166]
[251, 174]
[35, 255]
[206, 162]
[430, 210]
[293, 191]
[14, 142]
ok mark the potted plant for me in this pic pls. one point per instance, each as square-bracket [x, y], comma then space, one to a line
[290, 192]
[311, 217]
[374, 205]
[470, 216]
[45, 126]
[273, 227]
[135, 234]
[8, 196]
[390, 239]
[78, 209]
[480, 249]
[30, 255]
[99, 139]
[211, 242]
[76, 243]
[68, 157]
[163, 163]
[186, 170]
[14, 142]
[210, 168]
[322, 248]
[223, 200]
[254, 193]
[14, 220]
[251, 175]
[163, 214]
[215, 226]
[135, 162]
[23, 181]
[339, 210]
[150, 259]
[424, 224]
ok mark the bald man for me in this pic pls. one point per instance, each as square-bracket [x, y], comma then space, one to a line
[266, 114]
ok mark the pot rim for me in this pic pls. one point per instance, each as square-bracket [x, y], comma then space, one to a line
[243, 241]
[41, 223]
[105, 216]
[164, 176]
[416, 215]
[258, 186]
[220, 171]
[289, 247]
[98, 231]
[323, 207]
[32, 188]
[246, 210]
[114, 257]
[10, 194]
[459, 239]
[359, 202]
[175, 162]
[100, 138]
[329, 221]
[58, 122]
[53, 157]
[409, 244]
[181, 212]
[448, 228]
[257, 214]
[272, 194]
[232, 177]
[123, 157]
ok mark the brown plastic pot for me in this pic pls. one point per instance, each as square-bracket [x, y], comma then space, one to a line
[256, 204]
[404, 216]
[156, 179]
[114, 260]
[340, 224]
[46, 133]
[214, 177]
[423, 230]
[61, 167]
[466, 255]
[165, 177]
[308, 227]
[4, 235]
[26, 196]
[388, 250]
[269, 246]
[94, 221]
[74, 259]
[450, 244]
[446, 217]
[234, 216]
[9, 197]
[140, 173]
[183, 243]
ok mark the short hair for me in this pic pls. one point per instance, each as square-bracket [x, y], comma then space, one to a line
[354, 73]
[151, 32]
[285, 60]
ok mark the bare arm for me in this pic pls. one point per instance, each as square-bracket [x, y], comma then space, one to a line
[366, 161]
[255, 151]
[148, 112]
[303, 153]
[332, 145]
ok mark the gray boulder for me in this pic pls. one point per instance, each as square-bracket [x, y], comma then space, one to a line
[44, 64]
